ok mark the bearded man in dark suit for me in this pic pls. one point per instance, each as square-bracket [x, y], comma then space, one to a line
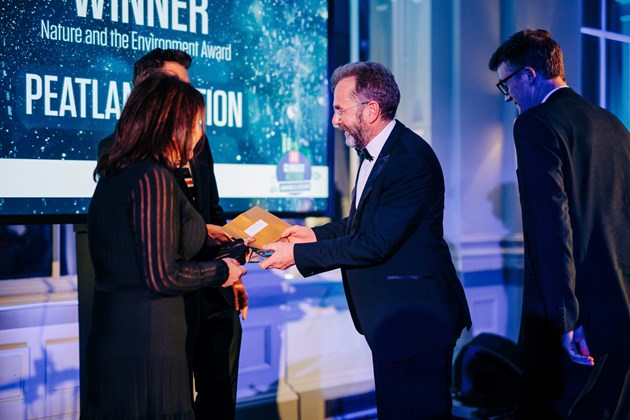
[574, 182]
[402, 289]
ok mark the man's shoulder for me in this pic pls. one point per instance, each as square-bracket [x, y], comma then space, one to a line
[104, 145]
[409, 139]
[565, 99]
[563, 108]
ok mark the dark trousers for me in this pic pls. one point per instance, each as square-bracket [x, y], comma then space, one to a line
[416, 388]
[549, 390]
[606, 394]
[553, 387]
[216, 360]
[549, 382]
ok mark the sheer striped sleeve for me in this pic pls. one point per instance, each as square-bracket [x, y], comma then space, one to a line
[156, 206]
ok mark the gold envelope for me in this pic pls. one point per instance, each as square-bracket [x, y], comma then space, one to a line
[256, 223]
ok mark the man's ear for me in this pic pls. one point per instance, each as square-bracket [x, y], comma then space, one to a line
[531, 74]
[373, 111]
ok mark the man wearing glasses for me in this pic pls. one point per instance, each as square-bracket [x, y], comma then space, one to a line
[402, 289]
[574, 182]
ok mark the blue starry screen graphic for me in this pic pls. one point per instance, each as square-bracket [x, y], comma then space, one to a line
[262, 66]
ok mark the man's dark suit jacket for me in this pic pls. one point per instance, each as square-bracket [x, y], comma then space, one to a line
[401, 285]
[574, 181]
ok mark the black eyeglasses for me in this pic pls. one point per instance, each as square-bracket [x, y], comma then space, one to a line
[503, 88]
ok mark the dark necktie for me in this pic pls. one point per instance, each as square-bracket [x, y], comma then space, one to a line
[364, 154]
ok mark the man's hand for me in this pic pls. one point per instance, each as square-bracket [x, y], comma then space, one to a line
[240, 298]
[298, 234]
[218, 235]
[574, 343]
[282, 257]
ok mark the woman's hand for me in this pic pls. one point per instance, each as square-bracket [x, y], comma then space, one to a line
[235, 272]
[240, 299]
[217, 235]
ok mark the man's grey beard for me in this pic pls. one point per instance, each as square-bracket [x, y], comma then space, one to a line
[358, 141]
[351, 142]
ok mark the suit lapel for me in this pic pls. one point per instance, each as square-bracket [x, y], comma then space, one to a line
[353, 211]
[379, 165]
[376, 170]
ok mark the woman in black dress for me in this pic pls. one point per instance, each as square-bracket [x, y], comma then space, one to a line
[143, 232]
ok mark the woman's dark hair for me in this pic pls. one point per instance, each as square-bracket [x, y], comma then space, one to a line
[373, 82]
[157, 121]
[531, 47]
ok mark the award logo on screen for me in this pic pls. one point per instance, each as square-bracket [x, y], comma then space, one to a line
[294, 173]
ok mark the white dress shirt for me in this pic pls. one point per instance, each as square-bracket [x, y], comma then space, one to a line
[374, 147]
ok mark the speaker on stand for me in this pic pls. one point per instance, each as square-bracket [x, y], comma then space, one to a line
[485, 378]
